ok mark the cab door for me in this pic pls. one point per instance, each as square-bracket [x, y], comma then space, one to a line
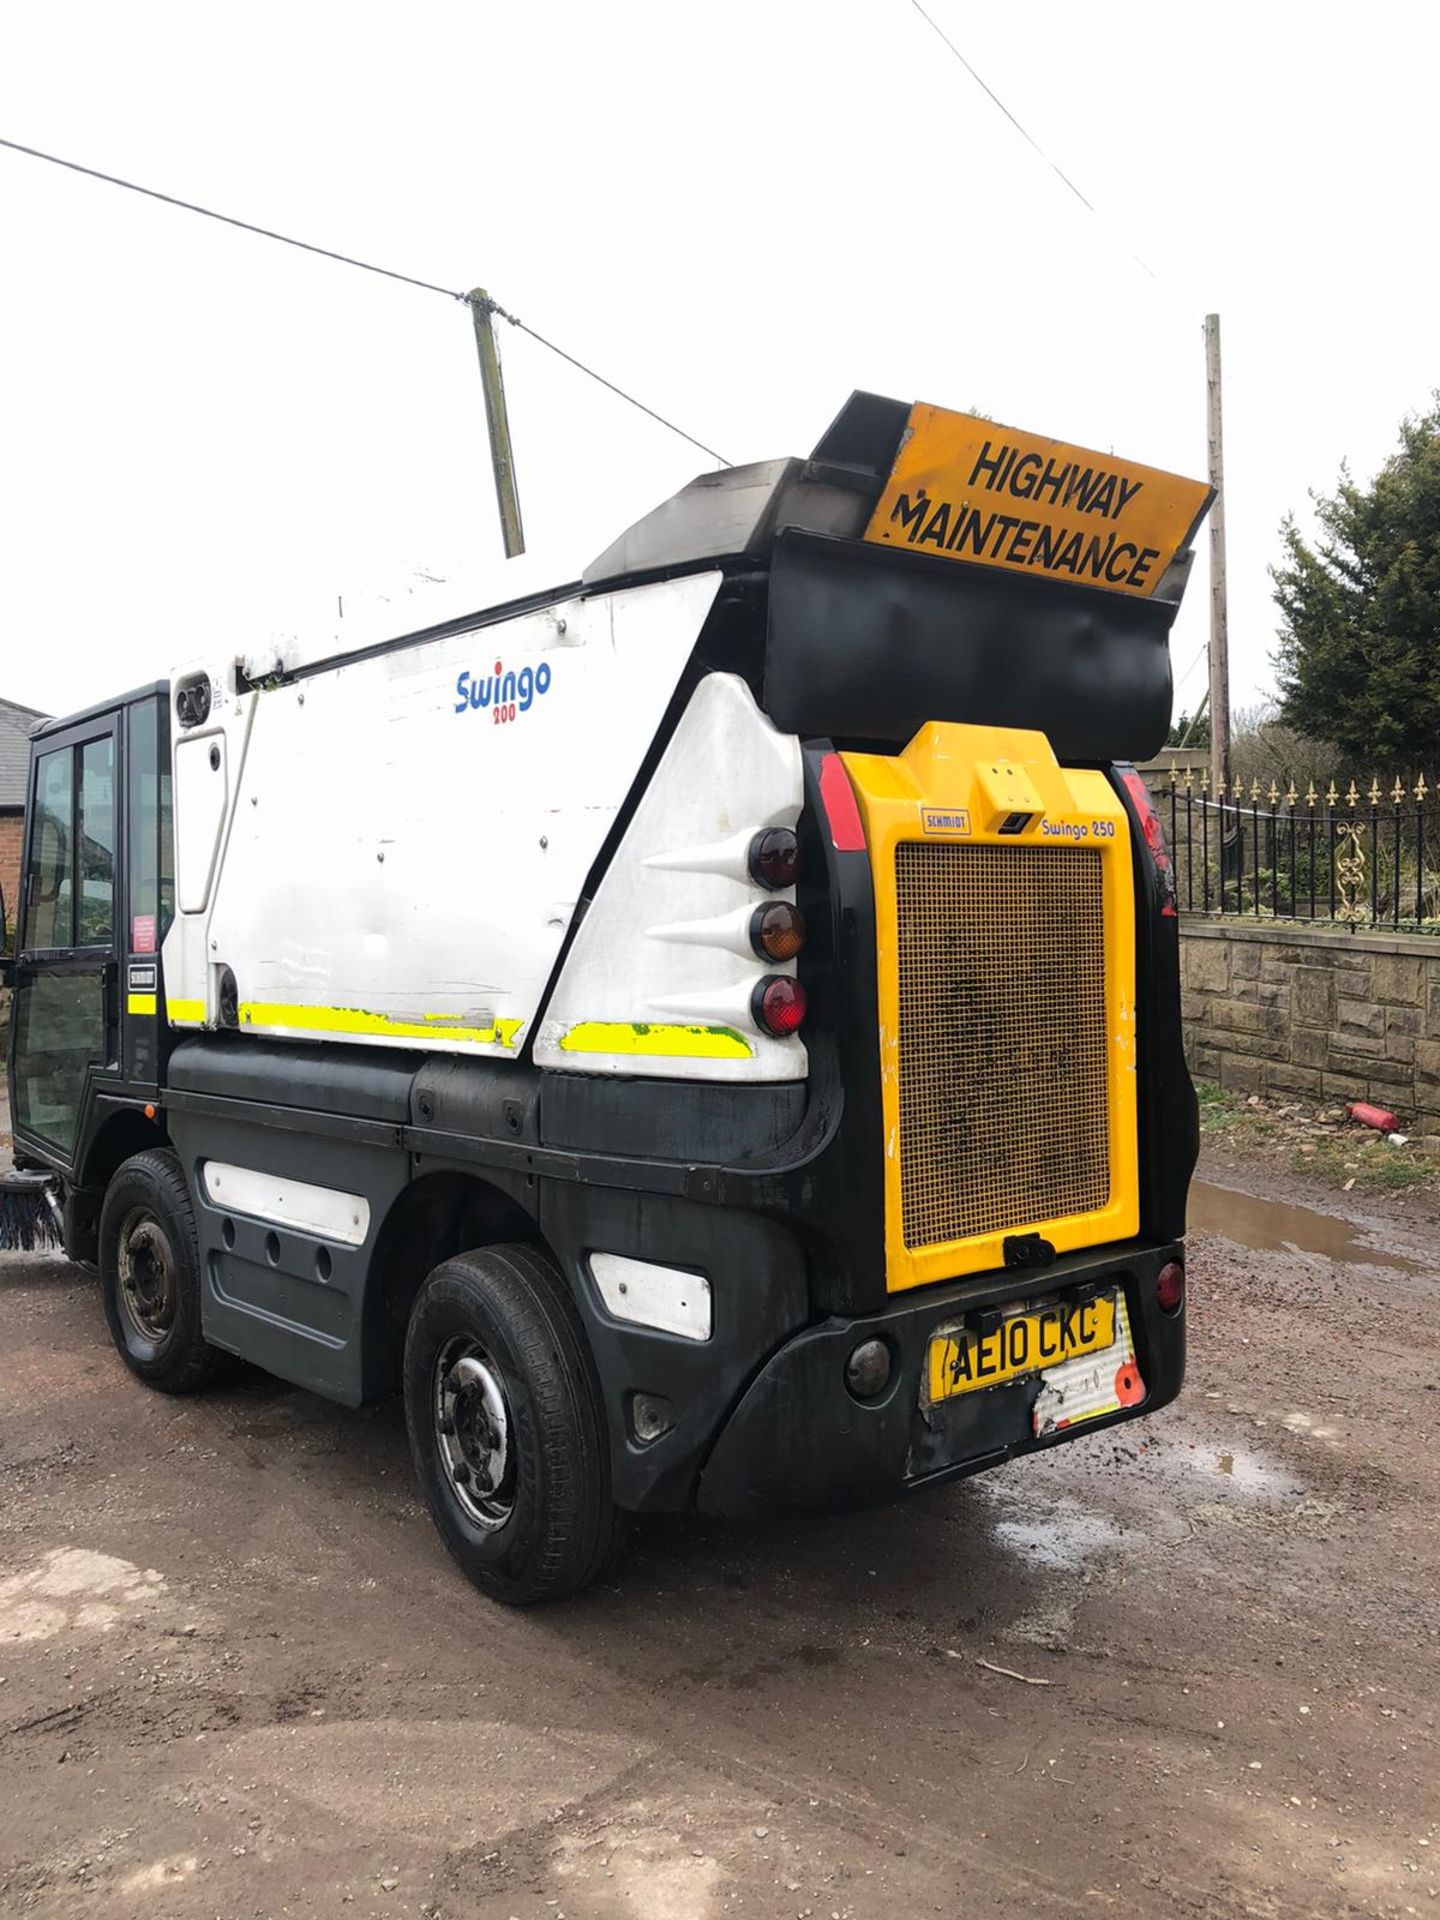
[66, 1003]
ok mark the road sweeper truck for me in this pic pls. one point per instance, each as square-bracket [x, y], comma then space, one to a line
[707, 1035]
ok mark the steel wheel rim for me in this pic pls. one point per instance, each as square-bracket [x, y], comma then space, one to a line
[473, 1432]
[145, 1261]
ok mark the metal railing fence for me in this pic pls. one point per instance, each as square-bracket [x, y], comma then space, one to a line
[1357, 858]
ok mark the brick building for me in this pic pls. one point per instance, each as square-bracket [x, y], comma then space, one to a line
[15, 724]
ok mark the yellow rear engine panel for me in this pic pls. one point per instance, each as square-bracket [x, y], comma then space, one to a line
[1005, 925]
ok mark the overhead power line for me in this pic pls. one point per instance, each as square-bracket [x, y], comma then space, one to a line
[1025, 133]
[1184, 679]
[365, 266]
[985, 88]
[516, 322]
[229, 220]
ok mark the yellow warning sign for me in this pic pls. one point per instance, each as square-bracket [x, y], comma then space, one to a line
[970, 489]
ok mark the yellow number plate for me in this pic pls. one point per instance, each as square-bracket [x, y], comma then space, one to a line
[961, 1361]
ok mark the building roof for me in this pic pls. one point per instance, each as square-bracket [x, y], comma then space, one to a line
[15, 725]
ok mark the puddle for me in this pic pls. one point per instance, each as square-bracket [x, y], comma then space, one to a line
[1061, 1542]
[1246, 1472]
[1059, 1535]
[1269, 1226]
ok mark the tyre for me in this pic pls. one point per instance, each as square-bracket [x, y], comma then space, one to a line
[150, 1276]
[506, 1426]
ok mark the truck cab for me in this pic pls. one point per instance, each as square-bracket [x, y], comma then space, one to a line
[706, 1034]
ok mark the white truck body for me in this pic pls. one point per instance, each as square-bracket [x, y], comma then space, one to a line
[391, 849]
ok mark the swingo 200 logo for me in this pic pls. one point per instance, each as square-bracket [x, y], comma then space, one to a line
[507, 695]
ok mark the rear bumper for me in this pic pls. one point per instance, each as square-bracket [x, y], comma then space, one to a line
[798, 1440]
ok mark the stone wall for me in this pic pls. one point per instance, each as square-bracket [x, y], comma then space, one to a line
[1316, 1014]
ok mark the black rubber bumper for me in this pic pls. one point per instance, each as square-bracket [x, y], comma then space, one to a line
[799, 1440]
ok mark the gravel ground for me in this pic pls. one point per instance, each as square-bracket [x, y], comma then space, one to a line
[1189, 1669]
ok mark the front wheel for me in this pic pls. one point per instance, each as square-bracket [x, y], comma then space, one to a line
[506, 1426]
[150, 1276]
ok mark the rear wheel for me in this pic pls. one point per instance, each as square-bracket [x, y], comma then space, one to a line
[150, 1276]
[506, 1426]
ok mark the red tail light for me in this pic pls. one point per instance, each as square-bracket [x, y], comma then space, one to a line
[774, 859]
[1170, 1287]
[1154, 836]
[778, 1005]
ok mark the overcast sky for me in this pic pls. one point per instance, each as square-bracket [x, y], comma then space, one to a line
[741, 211]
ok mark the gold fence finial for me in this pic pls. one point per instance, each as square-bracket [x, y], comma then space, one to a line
[1374, 791]
[1421, 789]
[1274, 795]
[1291, 796]
[1254, 793]
[1352, 798]
[1310, 795]
[1205, 781]
[1397, 792]
[1332, 798]
[1189, 779]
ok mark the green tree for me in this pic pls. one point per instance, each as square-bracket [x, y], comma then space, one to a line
[1189, 733]
[1358, 659]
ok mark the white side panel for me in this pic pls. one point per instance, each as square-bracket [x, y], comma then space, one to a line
[660, 976]
[411, 832]
[647, 1295]
[189, 982]
[289, 1203]
[202, 791]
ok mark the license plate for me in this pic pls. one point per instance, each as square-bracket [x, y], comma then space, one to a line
[1032, 1340]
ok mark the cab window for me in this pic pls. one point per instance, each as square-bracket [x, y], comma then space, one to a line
[52, 835]
[95, 845]
[151, 868]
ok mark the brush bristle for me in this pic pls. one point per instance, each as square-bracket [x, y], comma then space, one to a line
[26, 1222]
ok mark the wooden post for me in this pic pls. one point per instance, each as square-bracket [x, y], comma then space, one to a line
[1219, 630]
[502, 460]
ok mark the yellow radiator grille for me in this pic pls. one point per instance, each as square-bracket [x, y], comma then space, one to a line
[1003, 1062]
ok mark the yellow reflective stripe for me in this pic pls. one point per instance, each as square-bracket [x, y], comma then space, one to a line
[638, 1036]
[187, 1012]
[356, 1021]
[140, 1003]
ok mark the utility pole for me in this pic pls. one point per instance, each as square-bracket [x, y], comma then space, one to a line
[1219, 629]
[502, 460]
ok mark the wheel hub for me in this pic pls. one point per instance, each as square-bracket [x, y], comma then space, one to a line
[472, 1432]
[146, 1262]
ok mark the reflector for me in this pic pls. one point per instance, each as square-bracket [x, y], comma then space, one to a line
[1170, 1287]
[777, 931]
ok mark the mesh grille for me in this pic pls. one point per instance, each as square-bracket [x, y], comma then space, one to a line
[1003, 1060]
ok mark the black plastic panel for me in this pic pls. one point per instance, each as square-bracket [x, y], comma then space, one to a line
[372, 1083]
[866, 646]
[668, 1119]
[477, 1099]
[756, 1270]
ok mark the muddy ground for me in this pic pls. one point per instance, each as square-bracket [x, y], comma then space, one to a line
[238, 1675]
